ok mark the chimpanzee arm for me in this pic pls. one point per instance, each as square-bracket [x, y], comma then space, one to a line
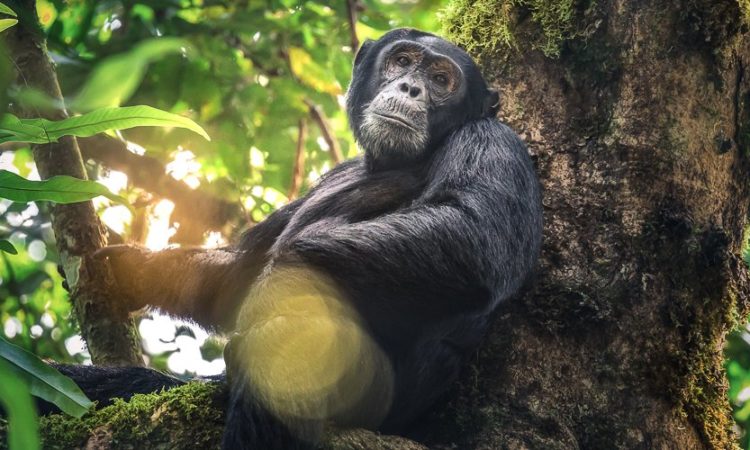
[476, 229]
[204, 285]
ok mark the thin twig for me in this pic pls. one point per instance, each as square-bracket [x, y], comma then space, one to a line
[351, 8]
[319, 116]
[298, 172]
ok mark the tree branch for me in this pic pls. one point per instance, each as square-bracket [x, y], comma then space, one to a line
[186, 417]
[196, 211]
[352, 6]
[298, 173]
[319, 116]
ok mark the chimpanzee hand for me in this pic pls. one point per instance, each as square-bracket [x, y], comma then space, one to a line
[129, 264]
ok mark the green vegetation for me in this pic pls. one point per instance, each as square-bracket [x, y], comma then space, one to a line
[263, 79]
[141, 421]
[481, 25]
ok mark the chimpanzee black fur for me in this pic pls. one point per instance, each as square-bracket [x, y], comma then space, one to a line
[416, 243]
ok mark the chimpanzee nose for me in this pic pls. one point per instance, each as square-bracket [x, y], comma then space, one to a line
[413, 91]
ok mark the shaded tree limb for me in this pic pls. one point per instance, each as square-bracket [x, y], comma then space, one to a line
[352, 6]
[298, 172]
[105, 325]
[319, 116]
[185, 417]
[196, 211]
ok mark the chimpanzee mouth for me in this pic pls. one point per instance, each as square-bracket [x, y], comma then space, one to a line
[396, 119]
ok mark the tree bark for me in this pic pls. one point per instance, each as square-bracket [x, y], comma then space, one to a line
[105, 326]
[639, 132]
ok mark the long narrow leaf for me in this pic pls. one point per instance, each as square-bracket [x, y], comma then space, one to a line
[122, 118]
[7, 23]
[59, 189]
[23, 424]
[7, 247]
[43, 131]
[45, 381]
[13, 129]
[4, 9]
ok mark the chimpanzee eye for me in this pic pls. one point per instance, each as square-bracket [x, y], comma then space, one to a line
[441, 79]
[403, 61]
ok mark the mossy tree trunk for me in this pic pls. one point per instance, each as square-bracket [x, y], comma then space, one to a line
[637, 114]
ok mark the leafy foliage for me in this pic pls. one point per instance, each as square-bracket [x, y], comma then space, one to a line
[16, 401]
[43, 131]
[7, 247]
[6, 23]
[59, 189]
[45, 381]
[247, 71]
[117, 77]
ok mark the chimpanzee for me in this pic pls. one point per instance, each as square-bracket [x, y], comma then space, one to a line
[356, 303]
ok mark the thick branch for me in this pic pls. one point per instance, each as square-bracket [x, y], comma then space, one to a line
[186, 417]
[196, 211]
[105, 325]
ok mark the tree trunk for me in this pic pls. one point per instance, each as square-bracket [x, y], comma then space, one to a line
[637, 114]
[105, 326]
[638, 121]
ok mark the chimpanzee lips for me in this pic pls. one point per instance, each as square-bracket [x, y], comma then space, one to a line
[396, 119]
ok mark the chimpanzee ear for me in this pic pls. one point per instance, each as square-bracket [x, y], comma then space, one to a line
[362, 51]
[491, 103]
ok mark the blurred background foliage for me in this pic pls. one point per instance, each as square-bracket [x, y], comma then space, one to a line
[267, 80]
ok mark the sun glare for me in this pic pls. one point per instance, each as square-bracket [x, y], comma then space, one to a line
[185, 167]
[159, 230]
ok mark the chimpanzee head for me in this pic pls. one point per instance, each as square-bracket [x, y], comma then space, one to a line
[409, 90]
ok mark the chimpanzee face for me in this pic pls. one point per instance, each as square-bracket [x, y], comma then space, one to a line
[409, 90]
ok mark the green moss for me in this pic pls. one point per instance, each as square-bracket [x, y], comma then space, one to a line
[482, 25]
[146, 421]
[745, 9]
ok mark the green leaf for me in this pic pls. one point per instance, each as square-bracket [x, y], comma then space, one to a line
[306, 69]
[4, 9]
[59, 189]
[13, 129]
[7, 23]
[116, 78]
[43, 131]
[45, 381]
[23, 424]
[7, 247]
[121, 118]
